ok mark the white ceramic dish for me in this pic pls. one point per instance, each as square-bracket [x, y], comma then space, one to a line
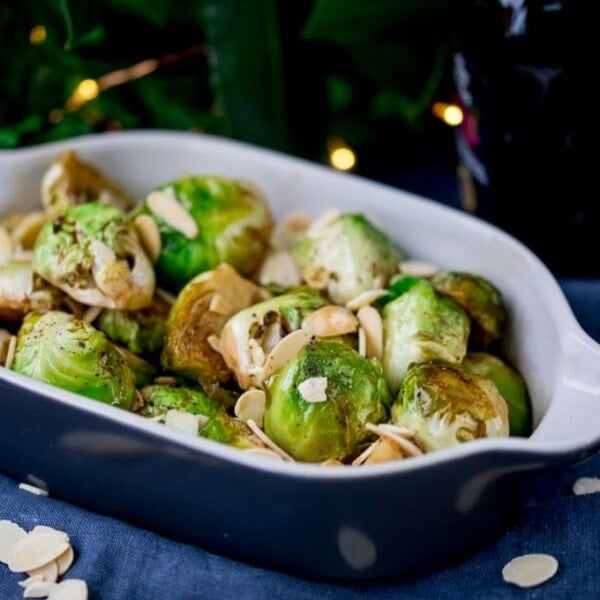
[379, 520]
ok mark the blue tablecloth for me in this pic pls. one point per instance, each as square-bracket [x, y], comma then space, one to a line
[121, 562]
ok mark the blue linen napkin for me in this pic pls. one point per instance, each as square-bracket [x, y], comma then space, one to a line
[122, 562]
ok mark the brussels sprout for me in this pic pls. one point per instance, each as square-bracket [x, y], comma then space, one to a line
[95, 256]
[480, 299]
[319, 402]
[200, 311]
[141, 331]
[204, 221]
[445, 405]
[63, 351]
[71, 181]
[233, 432]
[249, 335]
[160, 399]
[509, 383]
[346, 255]
[418, 326]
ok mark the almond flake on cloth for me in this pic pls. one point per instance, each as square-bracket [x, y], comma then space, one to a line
[586, 485]
[530, 570]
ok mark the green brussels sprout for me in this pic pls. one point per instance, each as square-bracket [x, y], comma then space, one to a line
[346, 255]
[93, 254]
[444, 405]
[66, 352]
[418, 326]
[480, 299]
[160, 399]
[204, 221]
[319, 402]
[250, 334]
[233, 432]
[509, 383]
[141, 331]
[197, 317]
[70, 181]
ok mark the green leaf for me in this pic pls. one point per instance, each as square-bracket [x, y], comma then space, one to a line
[81, 23]
[246, 69]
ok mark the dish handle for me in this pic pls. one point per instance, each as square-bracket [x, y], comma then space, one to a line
[574, 413]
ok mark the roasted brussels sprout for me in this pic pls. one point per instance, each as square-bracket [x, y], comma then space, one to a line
[509, 383]
[196, 319]
[69, 181]
[141, 331]
[160, 399]
[345, 255]
[249, 335]
[66, 352]
[233, 432]
[444, 405]
[204, 221]
[418, 326]
[93, 254]
[480, 299]
[319, 402]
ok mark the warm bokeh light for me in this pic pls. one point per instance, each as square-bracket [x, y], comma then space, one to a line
[37, 35]
[87, 90]
[451, 114]
[342, 158]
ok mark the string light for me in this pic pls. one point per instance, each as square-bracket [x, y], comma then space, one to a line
[341, 156]
[37, 35]
[86, 90]
[451, 114]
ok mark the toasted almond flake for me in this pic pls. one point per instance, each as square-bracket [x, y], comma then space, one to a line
[267, 441]
[385, 451]
[166, 296]
[27, 229]
[10, 534]
[6, 246]
[530, 570]
[138, 401]
[183, 421]
[407, 446]
[322, 223]
[251, 405]
[330, 321]
[74, 306]
[10, 351]
[149, 235]
[397, 429]
[214, 342]
[379, 281]
[50, 531]
[586, 485]
[365, 299]
[332, 462]
[362, 457]
[27, 582]
[362, 342]
[313, 389]
[91, 314]
[165, 205]
[165, 380]
[279, 268]
[289, 229]
[69, 589]
[370, 320]
[48, 572]
[418, 268]
[38, 589]
[257, 354]
[65, 560]
[219, 306]
[35, 550]
[266, 452]
[33, 489]
[285, 350]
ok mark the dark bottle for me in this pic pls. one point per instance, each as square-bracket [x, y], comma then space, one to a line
[523, 77]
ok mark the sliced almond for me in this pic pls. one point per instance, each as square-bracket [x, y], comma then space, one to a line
[362, 342]
[69, 589]
[27, 229]
[313, 389]
[92, 313]
[267, 441]
[289, 229]
[251, 405]
[6, 246]
[38, 589]
[65, 560]
[50, 531]
[257, 354]
[165, 205]
[48, 572]
[418, 268]
[138, 401]
[322, 223]
[279, 268]
[266, 452]
[166, 296]
[586, 485]
[33, 489]
[362, 457]
[407, 446]
[219, 306]
[10, 534]
[330, 321]
[285, 350]
[165, 380]
[530, 570]
[27, 582]
[10, 351]
[370, 321]
[35, 550]
[365, 299]
[332, 462]
[183, 421]
[214, 342]
[385, 451]
[149, 235]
